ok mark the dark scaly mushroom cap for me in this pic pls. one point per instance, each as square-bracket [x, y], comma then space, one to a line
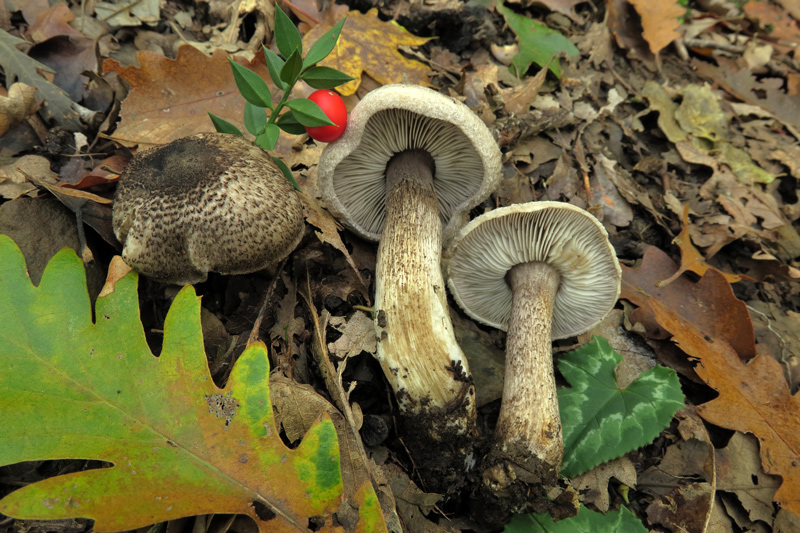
[208, 202]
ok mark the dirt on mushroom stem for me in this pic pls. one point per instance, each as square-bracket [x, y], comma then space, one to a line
[417, 348]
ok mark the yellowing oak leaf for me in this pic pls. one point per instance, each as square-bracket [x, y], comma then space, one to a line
[368, 44]
[80, 385]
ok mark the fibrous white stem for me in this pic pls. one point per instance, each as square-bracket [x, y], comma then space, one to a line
[529, 416]
[417, 348]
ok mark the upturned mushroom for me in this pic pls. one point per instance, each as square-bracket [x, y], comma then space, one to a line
[411, 159]
[541, 271]
[208, 202]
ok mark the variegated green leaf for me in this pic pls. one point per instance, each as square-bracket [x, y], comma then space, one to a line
[602, 421]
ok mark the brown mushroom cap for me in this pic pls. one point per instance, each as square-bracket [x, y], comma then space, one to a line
[561, 235]
[208, 202]
[396, 118]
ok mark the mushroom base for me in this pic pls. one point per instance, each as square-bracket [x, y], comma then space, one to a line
[508, 489]
[443, 454]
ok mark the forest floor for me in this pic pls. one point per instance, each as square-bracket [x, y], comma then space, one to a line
[682, 138]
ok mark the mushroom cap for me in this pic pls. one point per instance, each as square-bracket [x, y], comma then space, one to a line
[394, 118]
[208, 202]
[566, 237]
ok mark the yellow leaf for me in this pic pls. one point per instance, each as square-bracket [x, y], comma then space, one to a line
[368, 44]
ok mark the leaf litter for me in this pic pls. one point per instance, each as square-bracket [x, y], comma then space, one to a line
[681, 135]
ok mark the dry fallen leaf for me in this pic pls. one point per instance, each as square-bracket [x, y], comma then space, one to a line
[329, 230]
[368, 44]
[684, 481]
[17, 106]
[358, 334]
[739, 471]
[691, 258]
[708, 305]
[660, 21]
[593, 485]
[753, 398]
[169, 100]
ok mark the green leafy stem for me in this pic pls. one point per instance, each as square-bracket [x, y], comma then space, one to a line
[285, 70]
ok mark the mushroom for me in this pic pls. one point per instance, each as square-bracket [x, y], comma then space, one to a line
[208, 202]
[410, 160]
[541, 271]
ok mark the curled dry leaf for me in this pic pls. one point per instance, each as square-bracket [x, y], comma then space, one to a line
[17, 106]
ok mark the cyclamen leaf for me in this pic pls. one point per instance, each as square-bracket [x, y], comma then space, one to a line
[255, 118]
[586, 521]
[287, 37]
[253, 88]
[308, 113]
[601, 421]
[223, 126]
[72, 387]
[325, 77]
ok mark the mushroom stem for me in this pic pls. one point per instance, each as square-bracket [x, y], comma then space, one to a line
[529, 424]
[417, 348]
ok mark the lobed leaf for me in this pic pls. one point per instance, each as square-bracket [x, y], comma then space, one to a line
[586, 521]
[74, 386]
[601, 421]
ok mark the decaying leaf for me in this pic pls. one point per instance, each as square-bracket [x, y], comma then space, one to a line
[329, 230]
[78, 387]
[683, 483]
[358, 334]
[13, 181]
[370, 45]
[593, 485]
[19, 67]
[753, 398]
[740, 472]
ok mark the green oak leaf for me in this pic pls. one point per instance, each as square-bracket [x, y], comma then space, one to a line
[78, 384]
[602, 421]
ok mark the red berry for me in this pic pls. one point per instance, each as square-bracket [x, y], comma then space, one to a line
[333, 106]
